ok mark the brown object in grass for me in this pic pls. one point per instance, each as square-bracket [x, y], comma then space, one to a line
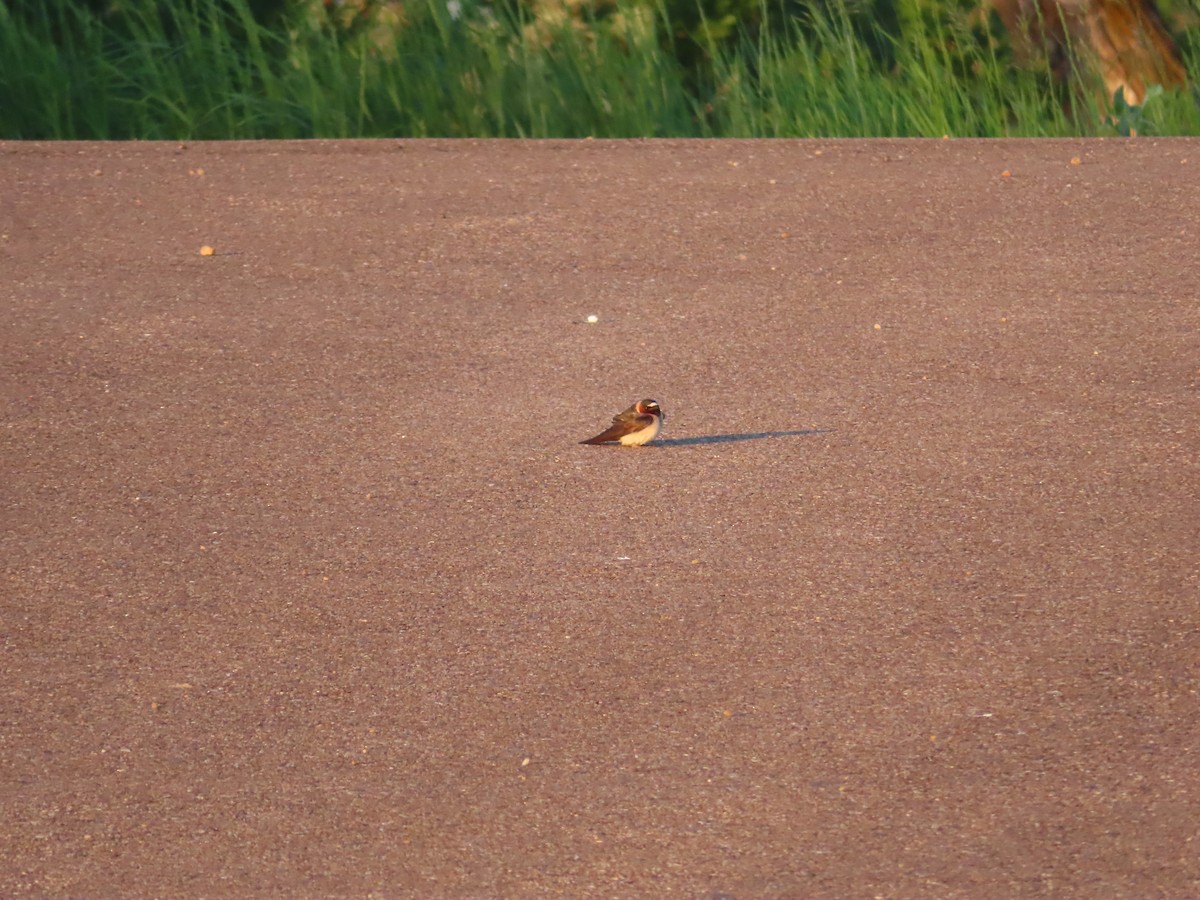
[1127, 39]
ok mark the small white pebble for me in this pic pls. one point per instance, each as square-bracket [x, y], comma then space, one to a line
[593, 319]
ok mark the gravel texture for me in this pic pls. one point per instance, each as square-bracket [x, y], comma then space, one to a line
[309, 589]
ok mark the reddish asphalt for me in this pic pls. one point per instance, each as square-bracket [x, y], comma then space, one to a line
[309, 589]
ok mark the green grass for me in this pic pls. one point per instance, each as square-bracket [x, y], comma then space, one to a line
[206, 69]
[818, 80]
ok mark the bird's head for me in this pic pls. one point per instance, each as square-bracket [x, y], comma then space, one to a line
[650, 408]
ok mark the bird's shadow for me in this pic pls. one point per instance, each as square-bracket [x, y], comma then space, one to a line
[730, 438]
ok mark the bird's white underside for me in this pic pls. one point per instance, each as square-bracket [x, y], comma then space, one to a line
[647, 434]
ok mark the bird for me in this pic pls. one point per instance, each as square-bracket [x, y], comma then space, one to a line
[637, 425]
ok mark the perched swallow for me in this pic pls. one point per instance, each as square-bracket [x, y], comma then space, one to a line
[635, 426]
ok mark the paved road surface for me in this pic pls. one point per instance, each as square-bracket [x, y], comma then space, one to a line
[310, 591]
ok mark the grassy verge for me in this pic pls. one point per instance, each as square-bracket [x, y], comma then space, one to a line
[197, 69]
